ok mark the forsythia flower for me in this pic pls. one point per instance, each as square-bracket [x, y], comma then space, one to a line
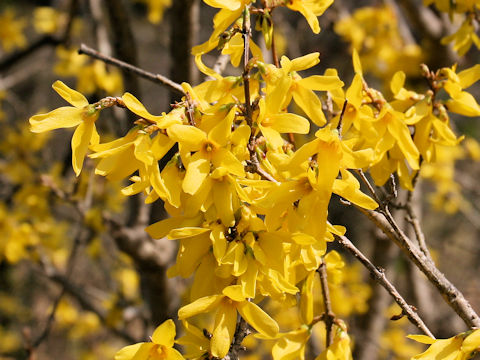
[226, 306]
[82, 114]
[460, 347]
[310, 9]
[160, 348]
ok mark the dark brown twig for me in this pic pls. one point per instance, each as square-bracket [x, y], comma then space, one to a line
[156, 78]
[329, 316]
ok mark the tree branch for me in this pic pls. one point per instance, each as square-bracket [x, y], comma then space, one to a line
[329, 316]
[156, 78]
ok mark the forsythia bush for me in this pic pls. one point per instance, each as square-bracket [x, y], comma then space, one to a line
[248, 196]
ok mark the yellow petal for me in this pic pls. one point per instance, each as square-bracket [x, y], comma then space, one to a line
[197, 170]
[349, 188]
[190, 137]
[224, 329]
[424, 339]
[161, 228]
[469, 76]
[309, 102]
[220, 134]
[397, 82]
[234, 292]
[304, 62]
[80, 141]
[224, 158]
[357, 65]
[224, 4]
[70, 95]
[306, 299]
[223, 200]
[307, 13]
[165, 333]
[186, 231]
[64, 117]
[321, 82]
[173, 354]
[205, 69]
[259, 319]
[199, 306]
[135, 106]
[471, 342]
[404, 140]
[128, 352]
[289, 123]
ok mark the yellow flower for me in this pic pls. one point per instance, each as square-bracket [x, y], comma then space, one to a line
[160, 348]
[230, 12]
[211, 150]
[310, 9]
[460, 347]
[340, 348]
[291, 345]
[81, 115]
[196, 343]
[227, 305]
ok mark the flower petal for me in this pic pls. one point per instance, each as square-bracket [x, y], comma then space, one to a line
[80, 141]
[321, 82]
[197, 170]
[200, 306]
[64, 117]
[259, 319]
[224, 329]
[70, 95]
[165, 333]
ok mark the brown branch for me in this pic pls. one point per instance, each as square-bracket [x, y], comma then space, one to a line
[156, 78]
[379, 276]
[340, 120]
[329, 316]
[274, 52]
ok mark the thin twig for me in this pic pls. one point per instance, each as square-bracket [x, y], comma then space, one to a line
[156, 78]
[246, 33]
[253, 165]
[340, 120]
[274, 51]
[379, 276]
[329, 316]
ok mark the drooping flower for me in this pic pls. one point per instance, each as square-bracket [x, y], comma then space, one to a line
[160, 348]
[82, 115]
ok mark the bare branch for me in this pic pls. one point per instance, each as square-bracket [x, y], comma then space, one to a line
[328, 316]
[156, 78]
